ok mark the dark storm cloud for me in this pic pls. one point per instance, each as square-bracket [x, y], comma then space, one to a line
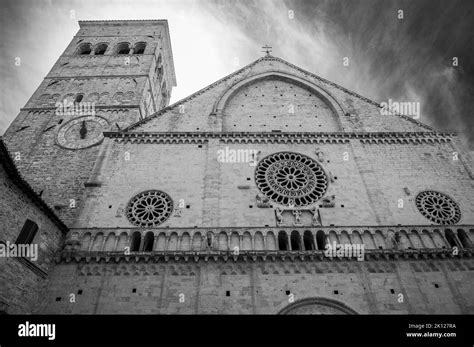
[407, 59]
[413, 57]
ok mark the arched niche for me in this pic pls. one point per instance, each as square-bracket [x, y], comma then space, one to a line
[278, 101]
[317, 306]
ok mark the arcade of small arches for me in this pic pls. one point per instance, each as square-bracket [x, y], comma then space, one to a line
[271, 240]
[122, 48]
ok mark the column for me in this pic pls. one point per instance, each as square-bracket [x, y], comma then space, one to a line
[103, 243]
[349, 233]
[142, 243]
[456, 238]
[92, 243]
[420, 236]
[374, 240]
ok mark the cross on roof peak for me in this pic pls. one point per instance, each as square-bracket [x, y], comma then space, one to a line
[267, 49]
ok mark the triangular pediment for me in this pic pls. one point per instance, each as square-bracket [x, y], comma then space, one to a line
[272, 94]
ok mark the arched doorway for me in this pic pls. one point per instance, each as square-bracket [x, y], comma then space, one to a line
[317, 306]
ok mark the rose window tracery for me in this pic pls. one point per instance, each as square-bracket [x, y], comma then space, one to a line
[150, 208]
[291, 179]
[438, 207]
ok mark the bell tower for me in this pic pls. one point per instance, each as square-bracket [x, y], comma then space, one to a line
[112, 74]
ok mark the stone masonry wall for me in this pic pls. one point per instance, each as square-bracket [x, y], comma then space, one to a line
[195, 111]
[367, 186]
[123, 92]
[60, 173]
[428, 287]
[20, 287]
[278, 105]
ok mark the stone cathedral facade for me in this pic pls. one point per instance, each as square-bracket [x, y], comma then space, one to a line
[226, 202]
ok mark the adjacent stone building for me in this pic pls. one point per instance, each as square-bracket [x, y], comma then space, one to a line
[23, 212]
[225, 201]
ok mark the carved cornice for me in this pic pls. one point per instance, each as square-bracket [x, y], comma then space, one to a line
[254, 256]
[287, 137]
[429, 227]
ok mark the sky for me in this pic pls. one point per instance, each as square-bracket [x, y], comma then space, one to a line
[402, 59]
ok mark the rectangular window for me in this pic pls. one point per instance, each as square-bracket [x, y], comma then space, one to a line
[27, 233]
